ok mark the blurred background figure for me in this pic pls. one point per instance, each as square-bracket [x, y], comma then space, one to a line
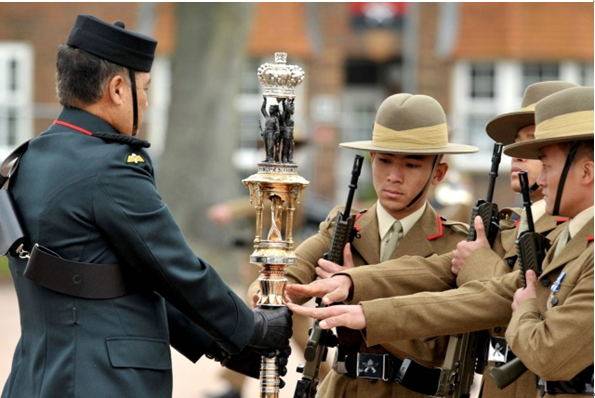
[474, 58]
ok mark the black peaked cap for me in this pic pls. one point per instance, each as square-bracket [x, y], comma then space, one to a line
[113, 43]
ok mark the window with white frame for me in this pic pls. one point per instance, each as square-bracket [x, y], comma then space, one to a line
[483, 90]
[482, 80]
[16, 75]
[534, 72]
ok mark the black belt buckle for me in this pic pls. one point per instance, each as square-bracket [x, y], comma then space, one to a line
[371, 366]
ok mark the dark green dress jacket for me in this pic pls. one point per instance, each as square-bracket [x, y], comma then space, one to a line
[94, 200]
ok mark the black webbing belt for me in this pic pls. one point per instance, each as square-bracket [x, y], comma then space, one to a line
[85, 280]
[389, 368]
[580, 384]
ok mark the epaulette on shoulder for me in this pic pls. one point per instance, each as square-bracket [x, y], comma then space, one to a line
[123, 139]
[457, 226]
[441, 225]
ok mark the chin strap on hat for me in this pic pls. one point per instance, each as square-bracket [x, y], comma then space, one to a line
[425, 187]
[132, 76]
[569, 159]
[134, 101]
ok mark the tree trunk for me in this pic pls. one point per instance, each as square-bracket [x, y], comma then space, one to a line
[195, 169]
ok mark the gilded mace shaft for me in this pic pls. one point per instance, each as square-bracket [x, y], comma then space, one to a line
[275, 192]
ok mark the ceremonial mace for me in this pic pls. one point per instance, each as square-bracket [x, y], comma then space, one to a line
[277, 184]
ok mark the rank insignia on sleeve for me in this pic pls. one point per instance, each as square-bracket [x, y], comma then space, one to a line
[134, 158]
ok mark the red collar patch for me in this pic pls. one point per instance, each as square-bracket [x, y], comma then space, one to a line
[440, 228]
[560, 220]
[590, 238]
[73, 127]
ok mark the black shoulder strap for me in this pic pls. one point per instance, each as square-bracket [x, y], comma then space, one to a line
[10, 164]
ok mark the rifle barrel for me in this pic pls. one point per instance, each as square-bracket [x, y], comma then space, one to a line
[524, 180]
[355, 172]
[496, 157]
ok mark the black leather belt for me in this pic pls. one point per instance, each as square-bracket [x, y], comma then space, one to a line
[85, 280]
[386, 367]
[582, 383]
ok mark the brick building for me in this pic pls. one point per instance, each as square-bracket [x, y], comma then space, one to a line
[475, 58]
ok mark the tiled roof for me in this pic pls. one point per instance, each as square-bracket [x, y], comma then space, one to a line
[279, 27]
[530, 31]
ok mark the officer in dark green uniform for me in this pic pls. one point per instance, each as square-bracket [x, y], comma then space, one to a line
[105, 279]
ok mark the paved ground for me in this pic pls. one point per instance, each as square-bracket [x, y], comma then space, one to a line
[190, 380]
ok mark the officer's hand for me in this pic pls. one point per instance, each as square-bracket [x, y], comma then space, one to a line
[466, 248]
[247, 362]
[350, 316]
[526, 293]
[272, 329]
[332, 290]
[326, 268]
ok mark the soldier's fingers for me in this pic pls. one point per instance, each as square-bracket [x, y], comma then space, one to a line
[329, 266]
[347, 318]
[347, 257]
[305, 311]
[314, 289]
[531, 278]
[479, 229]
[336, 296]
[322, 273]
[317, 313]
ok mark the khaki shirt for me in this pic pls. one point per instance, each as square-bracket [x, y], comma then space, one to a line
[552, 334]
[433, 274]
[429, 235]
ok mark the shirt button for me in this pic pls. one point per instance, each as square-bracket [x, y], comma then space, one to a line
[554, 301]
[545, 282]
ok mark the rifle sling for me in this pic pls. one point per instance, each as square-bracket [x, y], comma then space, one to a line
[562, 182]
[427, 184]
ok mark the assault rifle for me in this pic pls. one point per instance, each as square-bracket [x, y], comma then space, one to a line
[466, 354]
[319, 340]
[531, 248]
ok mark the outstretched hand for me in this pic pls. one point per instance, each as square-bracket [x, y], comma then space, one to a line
[326, 268]
[332, 290]
[466, 248]
[350, 316]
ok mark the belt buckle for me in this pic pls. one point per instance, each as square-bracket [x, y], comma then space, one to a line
[371, 366]
[498, 350]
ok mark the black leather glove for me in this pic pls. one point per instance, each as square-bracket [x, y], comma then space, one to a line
[272, 329]
[247, 362]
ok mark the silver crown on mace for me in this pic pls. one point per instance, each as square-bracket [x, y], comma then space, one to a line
[280, 79]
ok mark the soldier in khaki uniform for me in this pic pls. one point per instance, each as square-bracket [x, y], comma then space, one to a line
[481, 262]
[551, 329]
[408, 141]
